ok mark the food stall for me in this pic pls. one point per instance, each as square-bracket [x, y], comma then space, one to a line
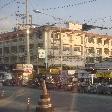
[22, 73]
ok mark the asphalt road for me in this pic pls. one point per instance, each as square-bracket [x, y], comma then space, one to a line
[16, 101]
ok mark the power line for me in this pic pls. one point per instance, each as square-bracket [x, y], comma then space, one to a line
[85, 26]
[6, 4]
[54, 17]
[106, 19]
[97, 19]
[70, 5]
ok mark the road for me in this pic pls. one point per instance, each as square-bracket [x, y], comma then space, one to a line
[16, 101]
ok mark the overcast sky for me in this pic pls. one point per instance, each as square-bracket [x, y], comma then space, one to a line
[93, 12]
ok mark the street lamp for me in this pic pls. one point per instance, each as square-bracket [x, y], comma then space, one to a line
[37, 11]
[46, 46]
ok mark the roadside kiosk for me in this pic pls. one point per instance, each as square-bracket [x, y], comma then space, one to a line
[23, 73]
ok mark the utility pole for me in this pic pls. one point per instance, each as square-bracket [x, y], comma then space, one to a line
[61, 50]
[26, 12]
[3, 51]
[46, 51]
[27, 34]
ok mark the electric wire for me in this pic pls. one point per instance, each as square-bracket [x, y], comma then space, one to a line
[69, 5]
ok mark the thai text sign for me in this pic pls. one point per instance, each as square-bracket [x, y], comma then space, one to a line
[104, 75]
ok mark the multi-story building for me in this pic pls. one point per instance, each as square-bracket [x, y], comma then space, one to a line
[62, 46]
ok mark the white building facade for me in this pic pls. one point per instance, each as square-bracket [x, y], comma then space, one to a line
[62, 46]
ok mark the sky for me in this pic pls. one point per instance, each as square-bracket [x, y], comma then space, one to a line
[95, 12]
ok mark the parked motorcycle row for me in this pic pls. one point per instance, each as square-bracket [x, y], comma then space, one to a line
[99, 88]
[70, 85]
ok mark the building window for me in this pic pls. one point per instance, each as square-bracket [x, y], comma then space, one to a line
[32, 58]
[21, 48]
[91, 50]
[55, 47]
[90, 59]
[13, 59]
[111, 52]
[0, 51]
[14, 40]
[66, 48]
[6, 59]
[39, 34]
[31, 34]
[7, 42]
[22, 59]
[1, 59]
[31, 46]
[81, 39]
[99, 59]
[40, 45]
[76, 48]
[14, 49]
[106, 42]
[106, 51]
[57, 36]
[99, 51]
[21, 35]
[90, 40]
[52, 35]
[111, 43]
[20, 39]
[6, 50]
[99, 41]
[70, 39]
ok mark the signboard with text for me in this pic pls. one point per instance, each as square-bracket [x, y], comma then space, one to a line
[25, 67]
[41, 53]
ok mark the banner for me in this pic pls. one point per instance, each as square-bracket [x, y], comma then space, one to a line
[28, 68]
[104, 75]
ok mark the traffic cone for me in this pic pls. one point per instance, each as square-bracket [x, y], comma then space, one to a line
[44, 104]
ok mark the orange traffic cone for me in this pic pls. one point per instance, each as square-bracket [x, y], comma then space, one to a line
[44, 104]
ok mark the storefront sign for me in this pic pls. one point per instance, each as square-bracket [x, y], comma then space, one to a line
[41, 53]
[104, 75]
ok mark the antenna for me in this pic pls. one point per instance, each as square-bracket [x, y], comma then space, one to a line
[26, 12]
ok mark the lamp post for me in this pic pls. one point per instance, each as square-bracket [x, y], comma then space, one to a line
[46, 40]
[37, 11]
[61, 51]
[3, 52]
[46, 43]
[28, 49]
